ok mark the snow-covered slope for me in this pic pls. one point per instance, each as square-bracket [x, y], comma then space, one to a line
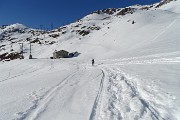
[136, 72]
[172, 7]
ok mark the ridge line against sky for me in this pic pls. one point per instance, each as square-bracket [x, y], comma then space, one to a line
[34, 13]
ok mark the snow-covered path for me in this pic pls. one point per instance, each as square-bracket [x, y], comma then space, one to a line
[123, 98]
[140, 88]
[73, 98]
[129, 88]
[46, 89]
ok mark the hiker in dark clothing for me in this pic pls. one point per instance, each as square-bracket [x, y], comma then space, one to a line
[92, 62]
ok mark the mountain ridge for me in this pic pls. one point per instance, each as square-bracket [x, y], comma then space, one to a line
[94, 22]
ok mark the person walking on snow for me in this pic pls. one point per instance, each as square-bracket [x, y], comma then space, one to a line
[92, 62]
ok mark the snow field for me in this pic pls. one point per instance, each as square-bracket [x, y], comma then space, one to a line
[69, 94]
[135, 77]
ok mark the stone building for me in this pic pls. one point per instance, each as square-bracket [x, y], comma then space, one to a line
[60, 54]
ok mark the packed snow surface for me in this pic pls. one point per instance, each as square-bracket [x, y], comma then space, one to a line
[135, 77]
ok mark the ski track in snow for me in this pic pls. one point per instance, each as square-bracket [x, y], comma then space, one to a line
[97, 100]
[157, 35]
[152, 59]
[8, 78]
[121, 99]
[120, 95]
[40, 105]
[174, 60]
[26, 72]
[163, 31]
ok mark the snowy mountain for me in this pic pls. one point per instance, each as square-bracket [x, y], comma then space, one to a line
[136, 72]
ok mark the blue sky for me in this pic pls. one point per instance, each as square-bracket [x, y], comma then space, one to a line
[34, 13]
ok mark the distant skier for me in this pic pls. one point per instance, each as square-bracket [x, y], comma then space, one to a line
[92, 62]
[133, 22]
